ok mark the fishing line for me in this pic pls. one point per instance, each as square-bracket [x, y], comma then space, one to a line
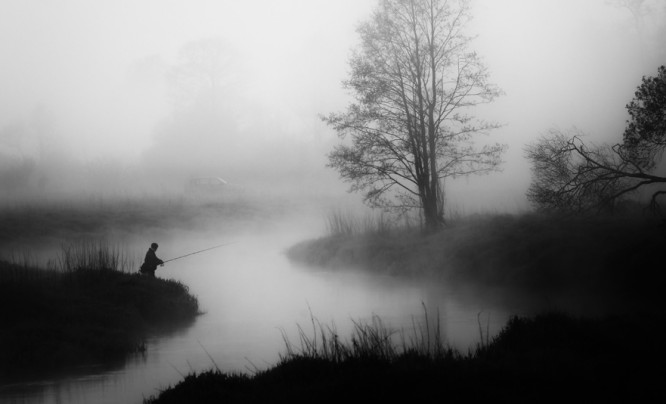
[197, 252]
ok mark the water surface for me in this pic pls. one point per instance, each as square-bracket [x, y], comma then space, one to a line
[252, 295]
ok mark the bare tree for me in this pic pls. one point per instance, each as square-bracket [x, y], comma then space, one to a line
[203, 125]
[414, 83]
[638, 10]
[649, 18]
[203, 69]
[569, 175]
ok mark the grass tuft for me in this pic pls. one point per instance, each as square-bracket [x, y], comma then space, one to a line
[93, 256]
[369, 341]
[340, 223]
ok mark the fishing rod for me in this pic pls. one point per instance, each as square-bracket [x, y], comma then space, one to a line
[197, 252]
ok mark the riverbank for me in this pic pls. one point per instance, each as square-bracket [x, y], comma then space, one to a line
[609, 265]
[70, 292]
[548, 358]
[607, 353]
[56, 320]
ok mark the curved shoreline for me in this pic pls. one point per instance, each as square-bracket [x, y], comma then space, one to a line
[611, 263]
[57, 320]
[548, 358]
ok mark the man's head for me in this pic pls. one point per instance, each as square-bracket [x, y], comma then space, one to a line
[154, 246]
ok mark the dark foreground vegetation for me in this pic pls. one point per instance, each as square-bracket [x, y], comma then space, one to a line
[550, 358]
[55, 320]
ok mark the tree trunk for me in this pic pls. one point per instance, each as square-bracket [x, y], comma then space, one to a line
[431, 216]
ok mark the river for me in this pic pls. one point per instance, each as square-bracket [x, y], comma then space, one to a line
[252, 296]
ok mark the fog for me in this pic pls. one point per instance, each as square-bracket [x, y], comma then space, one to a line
[125, 98]
[108, 96]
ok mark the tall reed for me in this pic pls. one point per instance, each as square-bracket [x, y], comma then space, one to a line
[92, 255]
[340, 223]
[96, 255]
[371, 340]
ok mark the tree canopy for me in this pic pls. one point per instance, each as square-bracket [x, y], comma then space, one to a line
[645, 136]
[414, 83]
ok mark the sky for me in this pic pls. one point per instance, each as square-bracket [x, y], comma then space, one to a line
[98, 69]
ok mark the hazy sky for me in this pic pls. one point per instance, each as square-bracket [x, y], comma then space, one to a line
[97, 66]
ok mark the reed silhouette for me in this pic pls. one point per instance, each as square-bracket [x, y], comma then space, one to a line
[547, 358]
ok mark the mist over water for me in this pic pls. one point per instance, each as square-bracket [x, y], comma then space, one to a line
[106, 103]
[252, 295]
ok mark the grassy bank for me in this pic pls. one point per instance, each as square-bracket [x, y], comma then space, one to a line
[83, 311]
[616, 259]
[549, 358]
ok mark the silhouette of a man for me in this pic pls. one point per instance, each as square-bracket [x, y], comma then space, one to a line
[151, 261]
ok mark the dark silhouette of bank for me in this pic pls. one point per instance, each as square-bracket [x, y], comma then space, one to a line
[548, 358]
[57, 320]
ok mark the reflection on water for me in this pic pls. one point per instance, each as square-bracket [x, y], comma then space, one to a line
[251, 294]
